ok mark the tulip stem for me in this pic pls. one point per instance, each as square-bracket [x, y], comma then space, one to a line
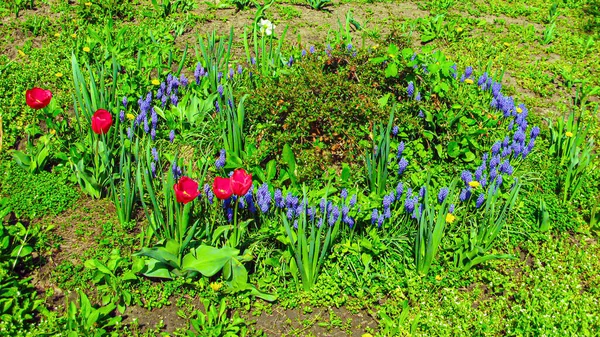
[235, 234]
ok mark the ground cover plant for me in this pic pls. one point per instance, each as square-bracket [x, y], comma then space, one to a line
[307, 168]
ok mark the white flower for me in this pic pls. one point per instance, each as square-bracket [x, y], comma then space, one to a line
[266, 27]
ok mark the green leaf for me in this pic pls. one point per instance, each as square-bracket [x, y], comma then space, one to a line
[21, 250]
[453, 149]
[271, 169]
[391, 70]
[384, 100]
[160, 254]
[157, 269]
[208, 260]
[469, 156]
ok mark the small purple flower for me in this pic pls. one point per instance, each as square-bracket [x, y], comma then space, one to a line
[496, 87]
[400, 150]
[303, 53]
[443, 194]
[183, 80]
[311, 49]
[409, 205]
[482, 80]
[495, 161]
[468, 71]
[451, 208]
[494, 103]
[240, 70]
[422, 192]
[410, 90]
[291, 61]
[395, 130]
[402, 164]
[252, 60]
[499, 181]
[155, 154]
[506, 152]
[146, 126]
[344, 194]
[374, 216]
[231, 73]
[466, 176]
[153, 169]
[220, 90]
[421, 114]
[278, 199]
[172, 136]
[480, 200]
[399, 190]
[380, 221]
[263, 197]
[153, 117]
[353, 200]
[129, 133]
[387, 213]
[217, 106]
[174, 99]
[465, 194]
[535, 132]
[387, 202]
[220, 162]
[124, 101]
[496, 148]
[418, 96]
[333, 217]
[122, 116]
[176, 170]
[209, 193]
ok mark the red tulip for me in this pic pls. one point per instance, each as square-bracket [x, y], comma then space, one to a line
[222, 188]
[38, 98]
[241, 182]
[101, 121]
[186, 190]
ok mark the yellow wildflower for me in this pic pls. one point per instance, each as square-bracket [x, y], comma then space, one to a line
[459, 29]
[57, 34]
[216, 286]
[469, 81]
[88, 4]
[474, 184]
[438, 278]
[130, 116]
[52, 131]
[21, 53]
[519, 110]
[58, 75]
[507, 44]
[450, 218]
[569, 134]
[367, 335]
[74, 35]
[86, 49]
[155, 82]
